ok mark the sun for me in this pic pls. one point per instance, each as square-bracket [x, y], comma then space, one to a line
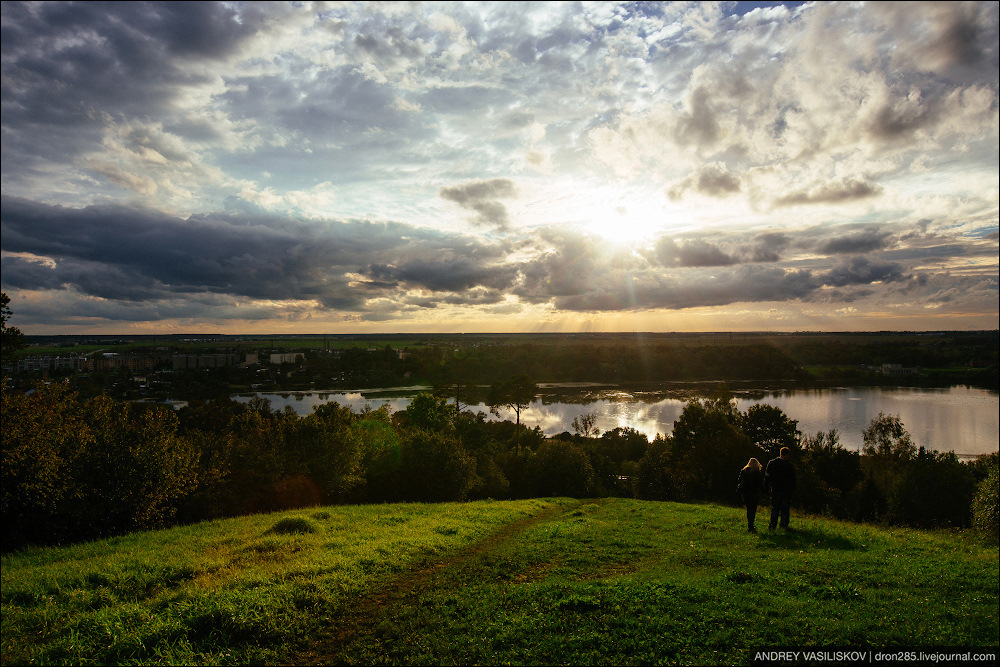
[625, 215]
[627, 218]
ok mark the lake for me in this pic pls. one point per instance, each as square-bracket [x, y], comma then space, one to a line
[960, 419]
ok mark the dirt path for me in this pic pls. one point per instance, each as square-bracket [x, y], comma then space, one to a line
[366, 611]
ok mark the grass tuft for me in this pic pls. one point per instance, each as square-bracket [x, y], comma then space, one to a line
[293, 525]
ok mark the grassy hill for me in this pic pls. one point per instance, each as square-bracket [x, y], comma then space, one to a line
[607, 581]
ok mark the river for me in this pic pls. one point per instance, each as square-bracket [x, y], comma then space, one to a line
[960, 419]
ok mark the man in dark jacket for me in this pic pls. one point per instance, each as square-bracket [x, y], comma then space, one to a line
[779, 480]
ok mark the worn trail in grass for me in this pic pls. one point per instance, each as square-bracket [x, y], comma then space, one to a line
[328, 645]
[626, 582]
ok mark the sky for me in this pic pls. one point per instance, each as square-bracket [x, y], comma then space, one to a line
[337, 167]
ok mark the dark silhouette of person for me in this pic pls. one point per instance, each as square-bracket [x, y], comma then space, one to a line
[750, 485]
[779, 481]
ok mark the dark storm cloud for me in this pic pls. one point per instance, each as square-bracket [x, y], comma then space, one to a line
[834, 192]
[866, 240]
[693, 253]
[482, 197]
[67, 65]
[578, 273]
[448, 275]
[693, 289]
[767, 247]
[119, 253]
[862, 271]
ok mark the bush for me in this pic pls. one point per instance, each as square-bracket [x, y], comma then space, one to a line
[293, 525]
[434, 468]
[984, 505]
[934, 489]
[653, 479]
[563, 469]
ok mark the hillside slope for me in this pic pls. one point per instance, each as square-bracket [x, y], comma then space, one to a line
[608, 581]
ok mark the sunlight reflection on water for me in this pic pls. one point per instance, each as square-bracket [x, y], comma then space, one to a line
[960, 419]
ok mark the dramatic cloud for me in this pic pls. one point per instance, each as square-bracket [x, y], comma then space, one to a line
[830, 193]
[499, 166]
[482, 197]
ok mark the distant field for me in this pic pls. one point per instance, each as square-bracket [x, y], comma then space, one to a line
[277, 343]
[46, 346]
[557, 581]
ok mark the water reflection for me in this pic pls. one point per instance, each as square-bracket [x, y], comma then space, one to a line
[960, 419]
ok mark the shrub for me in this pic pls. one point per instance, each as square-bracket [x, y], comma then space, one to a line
[563, 469]
[953, 488]
[293, 525]
[984, 505]
[653, 475]
[434, 467]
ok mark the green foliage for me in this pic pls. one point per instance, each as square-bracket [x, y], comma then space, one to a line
[654, 478]
[429, 413]
[434, 467]
[829, 475]
[707, 451]
[76, 470]
[133, 470]
[770, 429]
[934, 489]
[43, 433]
[583, 425]
[11, 338]
[515, 394]
[563, 469]
[380, 455]
[985, 512]
[293, 525]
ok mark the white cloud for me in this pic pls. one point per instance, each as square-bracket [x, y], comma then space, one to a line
[632, 121]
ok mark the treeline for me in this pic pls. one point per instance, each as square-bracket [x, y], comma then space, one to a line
[942, 359]
[75, 469]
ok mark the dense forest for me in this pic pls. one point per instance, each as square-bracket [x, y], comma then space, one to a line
[78, 468]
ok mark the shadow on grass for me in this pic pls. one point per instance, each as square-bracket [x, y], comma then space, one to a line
[802, 538]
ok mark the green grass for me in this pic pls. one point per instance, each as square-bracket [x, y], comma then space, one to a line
[544, 581]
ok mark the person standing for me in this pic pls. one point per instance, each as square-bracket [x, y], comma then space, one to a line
[779, 481]
[749, 486]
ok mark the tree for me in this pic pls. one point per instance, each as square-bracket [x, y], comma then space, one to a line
[770, 428]
[515, 394]
[837, 471]
[11, 338]
[707, 452]
[584, 425]
[654, 480]
[456, 379]
[912, 501]
[887, 450]
[563, 469]
[429, 413]
[434, 467]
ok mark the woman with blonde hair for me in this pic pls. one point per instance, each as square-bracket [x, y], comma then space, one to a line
[750, 486]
